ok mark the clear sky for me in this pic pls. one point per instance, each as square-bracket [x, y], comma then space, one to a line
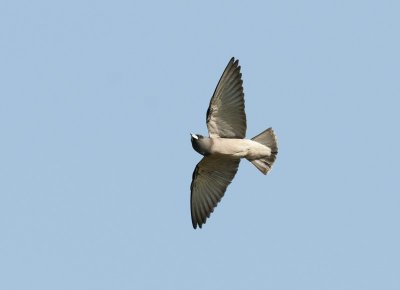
[97, 100]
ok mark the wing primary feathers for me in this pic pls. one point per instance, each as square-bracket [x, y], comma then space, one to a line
[225, 114]
[211, 178]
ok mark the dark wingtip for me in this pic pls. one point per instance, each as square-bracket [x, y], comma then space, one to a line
[234, 61]
[195, 224]
[235, 64]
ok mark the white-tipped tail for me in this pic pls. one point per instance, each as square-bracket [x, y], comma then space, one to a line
[268, 139]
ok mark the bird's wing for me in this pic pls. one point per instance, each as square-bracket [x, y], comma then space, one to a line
[225, 115]
[211, 177]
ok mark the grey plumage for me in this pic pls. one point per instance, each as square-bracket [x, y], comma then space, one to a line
[225, 146]
[225, 115]
[211, 177]
[268, 139]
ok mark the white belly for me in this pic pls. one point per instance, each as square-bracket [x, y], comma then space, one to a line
[239, 148]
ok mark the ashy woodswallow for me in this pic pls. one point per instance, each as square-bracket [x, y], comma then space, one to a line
[226, 145]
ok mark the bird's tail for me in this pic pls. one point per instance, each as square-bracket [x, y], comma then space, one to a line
[268, 139]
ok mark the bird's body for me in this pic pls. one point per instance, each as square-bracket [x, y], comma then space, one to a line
[226, 145]
[235, 148]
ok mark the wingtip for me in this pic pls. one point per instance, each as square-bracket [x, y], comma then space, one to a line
[195, 226]
[234, 61]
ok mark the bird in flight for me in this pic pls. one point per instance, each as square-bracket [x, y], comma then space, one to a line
[226, 145]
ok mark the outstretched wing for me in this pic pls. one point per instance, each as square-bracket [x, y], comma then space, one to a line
[225, 115]
[211, 177]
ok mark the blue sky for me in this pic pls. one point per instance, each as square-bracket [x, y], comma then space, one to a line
[97, 100]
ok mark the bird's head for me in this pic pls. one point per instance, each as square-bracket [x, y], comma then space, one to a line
[200, 144]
